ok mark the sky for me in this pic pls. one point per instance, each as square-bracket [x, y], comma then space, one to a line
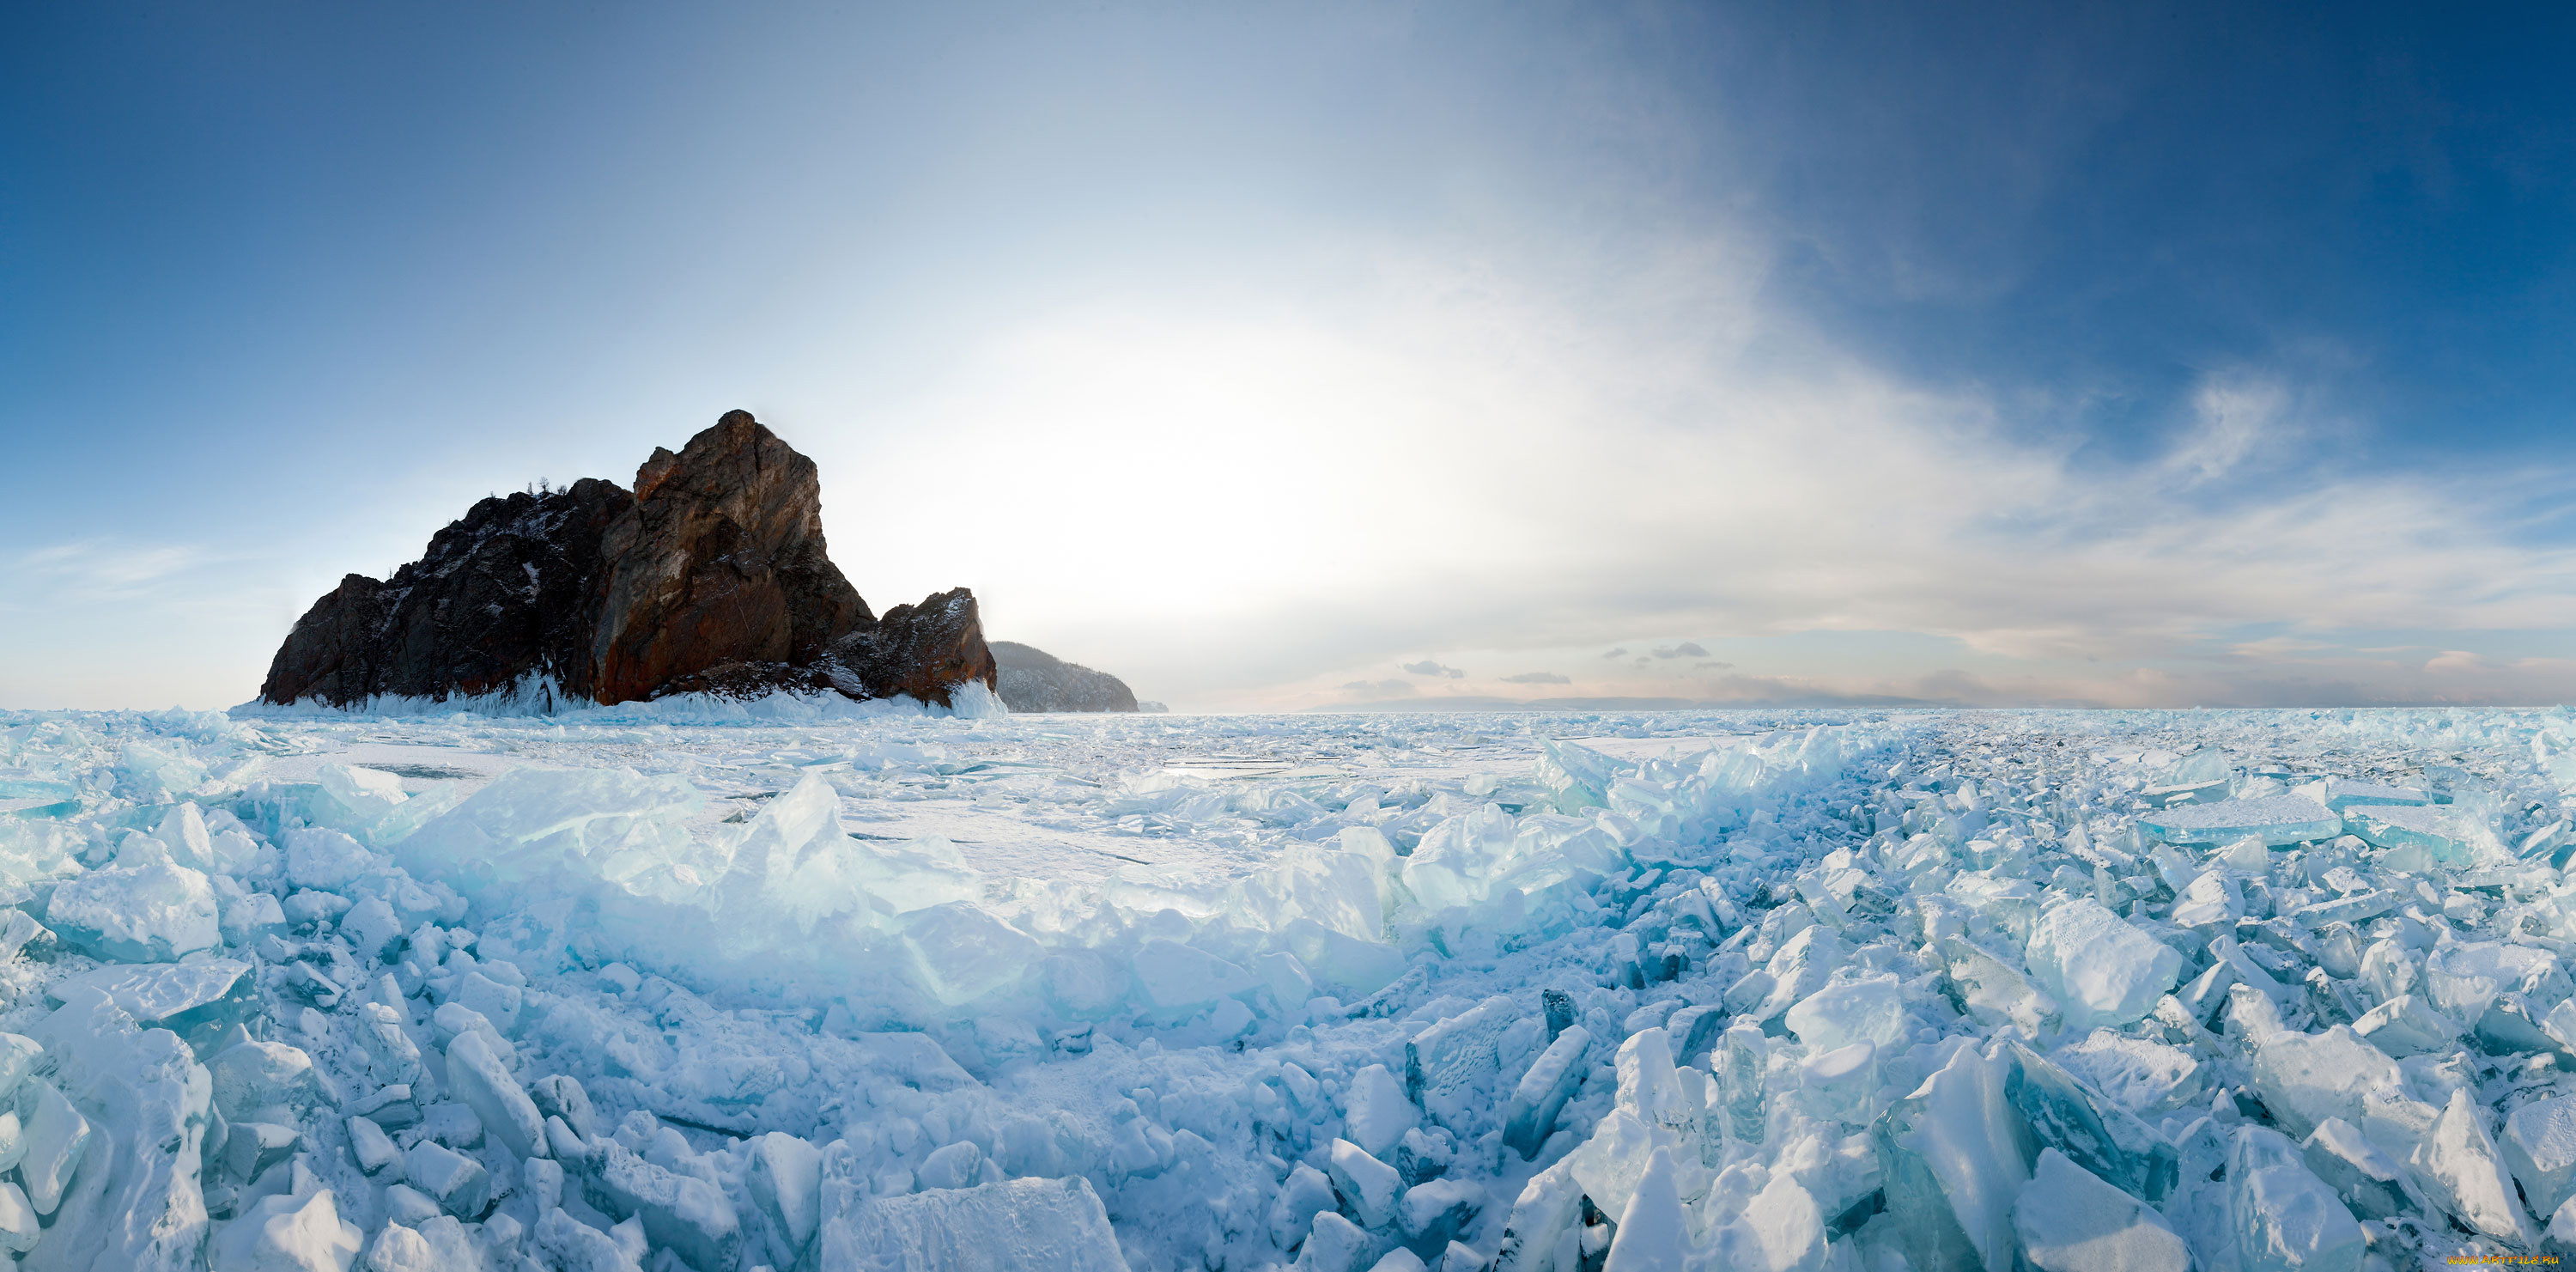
[1286, 356]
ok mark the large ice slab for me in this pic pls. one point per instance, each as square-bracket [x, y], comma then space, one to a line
[2283, 1217]
[1957, 1155]
[150, 911]
[2274, 819]
[2448, 832]
[2341, 794]
[2100, 968]
[198, 1000]
[2068, 1220]
[1020, 1225]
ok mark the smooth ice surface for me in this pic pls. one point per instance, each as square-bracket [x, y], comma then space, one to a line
[1775, 990]
[2450, 834]
[2275, 819]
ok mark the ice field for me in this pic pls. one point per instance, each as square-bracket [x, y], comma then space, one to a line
[1743, 991]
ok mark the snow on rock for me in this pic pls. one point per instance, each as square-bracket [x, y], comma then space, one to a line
[1031, 679]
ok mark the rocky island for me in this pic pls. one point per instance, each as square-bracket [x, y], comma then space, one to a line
[709, 576]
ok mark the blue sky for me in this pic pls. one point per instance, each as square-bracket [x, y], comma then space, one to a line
[1986, 354]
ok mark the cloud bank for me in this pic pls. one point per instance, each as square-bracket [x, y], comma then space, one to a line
[1545, 457]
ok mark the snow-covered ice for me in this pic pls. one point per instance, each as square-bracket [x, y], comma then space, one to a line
[722, 988]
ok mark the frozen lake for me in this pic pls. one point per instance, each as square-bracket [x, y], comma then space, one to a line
[1311, 988]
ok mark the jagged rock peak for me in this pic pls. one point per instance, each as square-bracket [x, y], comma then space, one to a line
[711, 575]
[721, 561]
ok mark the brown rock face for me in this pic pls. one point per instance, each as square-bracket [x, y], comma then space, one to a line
[711, 577]
[327, 656]
[923, 650]
[720, 561]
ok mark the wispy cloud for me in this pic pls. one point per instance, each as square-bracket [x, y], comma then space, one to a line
[111, 621]
[89, 570]
[2237, 419]
[113, 563]
[2277, 648]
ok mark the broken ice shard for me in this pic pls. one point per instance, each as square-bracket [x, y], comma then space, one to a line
[2445, 831]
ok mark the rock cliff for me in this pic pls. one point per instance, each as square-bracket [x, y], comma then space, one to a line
[710, 576]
